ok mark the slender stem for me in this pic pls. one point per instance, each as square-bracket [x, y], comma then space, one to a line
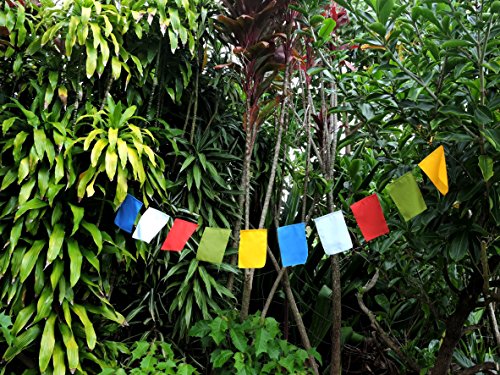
[375, 324]
[271, 294]
[155, 81]
[109, 83]
[195, 109]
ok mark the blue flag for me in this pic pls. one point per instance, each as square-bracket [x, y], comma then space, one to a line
[127, 213]
[293, 244]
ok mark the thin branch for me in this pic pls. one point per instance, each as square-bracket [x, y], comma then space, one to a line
[480, 368]
[375, 324]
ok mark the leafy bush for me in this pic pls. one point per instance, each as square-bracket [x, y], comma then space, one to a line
[251, 347]
[150, 358]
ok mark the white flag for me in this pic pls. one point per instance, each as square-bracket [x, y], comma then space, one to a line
[333, 233]
[150, 224]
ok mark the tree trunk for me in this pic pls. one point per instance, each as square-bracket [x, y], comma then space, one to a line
[336, 365]
[247, 286]
[455, 323]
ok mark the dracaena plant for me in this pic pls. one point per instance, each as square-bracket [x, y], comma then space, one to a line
[52, 280]
[123, 149]
[253, 28]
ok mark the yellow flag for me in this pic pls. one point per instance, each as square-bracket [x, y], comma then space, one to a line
[434, 166]
[253, 247]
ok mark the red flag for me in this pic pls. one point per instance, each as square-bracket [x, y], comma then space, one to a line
[179, 234]
[368, 213]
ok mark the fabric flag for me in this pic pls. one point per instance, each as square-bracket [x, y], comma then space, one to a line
[293, 244]
[333, 233]
[370, 218]
[213, 245]
[407, 196]
[127, 213]
[253, 247]
[180, 233]
[434, 166]
[150, 224]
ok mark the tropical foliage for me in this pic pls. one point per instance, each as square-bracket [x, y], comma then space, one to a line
[247, 114]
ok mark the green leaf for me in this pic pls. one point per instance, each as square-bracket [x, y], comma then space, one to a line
[218, 328]
[111, 162]
[55, 243]
[18, 145]
[261, 339]
[116, 67]
[187, 162]
[378, 28]
[458, 246]
[90, 138]
[97, 151]
[85, 178]
[493, 137]
[58, 363]
[57, 271]
[40, 140]
[384, 9]
[95, 232]
[30, 258]
[21, 342]
[239, 340]
[32, 204]
[9, 178]
[218, 358]
[454, 43]
[7, 124]
[91, 62]
[197, 176]
[383, 301]
[486, 165]
[44, 304]
[122, 152]
[78, 213]
[24, 169]
[47, 343]
[22, 318]
[71, 347]
[87, 324]
[75, 257]
[327, 28]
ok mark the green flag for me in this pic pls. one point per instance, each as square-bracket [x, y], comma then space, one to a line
[213, 245]
[407, 196]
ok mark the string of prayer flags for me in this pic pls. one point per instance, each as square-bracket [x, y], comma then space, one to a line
[179, 234]
[434, 166]
[333, 233]
[127, 213]
[150, 224]
[407, 196]
[370, 218]
[213, 245]
[293, 244]
[253, 247]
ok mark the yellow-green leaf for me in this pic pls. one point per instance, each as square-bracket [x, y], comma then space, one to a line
[122, 152]
[75, 257]
[97, 151]
[47, 343]
[71, 347]
[55, 243]
[91, 63]
[22, 318]
[58, 361]
[112, 137]
[30, 259]
[44, 304]
[111, 163]
[87, 324]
